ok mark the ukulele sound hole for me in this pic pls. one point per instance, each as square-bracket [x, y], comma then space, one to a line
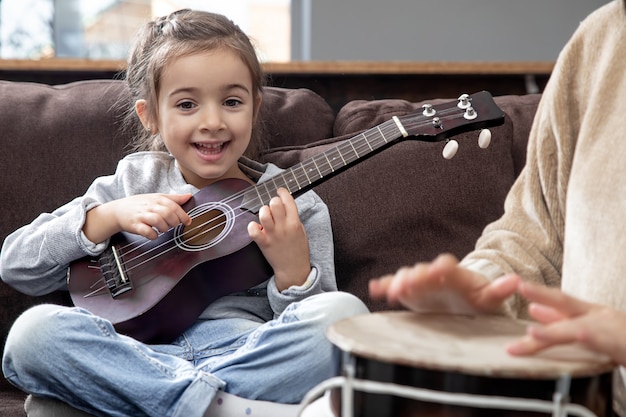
[205, 228]
[210, 224]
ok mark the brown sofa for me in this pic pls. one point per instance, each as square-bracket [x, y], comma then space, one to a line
[402, 205]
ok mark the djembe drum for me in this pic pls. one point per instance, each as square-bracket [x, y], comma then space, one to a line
[402, 364]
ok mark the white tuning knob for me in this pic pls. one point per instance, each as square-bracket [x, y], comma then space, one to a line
[450, 149]
[484, 138]
[464, 102]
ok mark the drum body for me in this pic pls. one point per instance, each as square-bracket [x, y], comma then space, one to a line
[461, 355]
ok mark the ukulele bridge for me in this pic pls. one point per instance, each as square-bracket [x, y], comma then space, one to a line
[114, 272]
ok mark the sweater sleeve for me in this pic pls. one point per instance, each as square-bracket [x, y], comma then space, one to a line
[528, 238]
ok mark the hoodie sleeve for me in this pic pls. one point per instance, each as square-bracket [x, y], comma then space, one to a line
[35, 258]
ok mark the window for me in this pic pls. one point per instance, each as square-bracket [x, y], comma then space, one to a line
[103, 29]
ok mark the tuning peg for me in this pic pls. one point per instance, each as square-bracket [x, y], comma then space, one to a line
[470, 113]
[464, 102]
[428, 110]
[449, 150]
[484, 138]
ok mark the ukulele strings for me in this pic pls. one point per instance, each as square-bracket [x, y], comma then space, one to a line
[239, 194]
[389, 127]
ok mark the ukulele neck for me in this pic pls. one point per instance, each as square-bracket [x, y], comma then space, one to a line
[309, 173]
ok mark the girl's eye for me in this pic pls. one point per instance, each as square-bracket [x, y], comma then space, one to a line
[232, 102]
[186, 105]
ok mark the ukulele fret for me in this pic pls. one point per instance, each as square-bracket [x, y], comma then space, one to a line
[270, 190]
[323, 165]
[348, 154]
[381, 134]
[312, 171]
[276, 187]
[369, 142]
[258, 193]
[356, 154]
[308, 179]
[301, 176]
[317, 168]
[295, 178]
[328, 161]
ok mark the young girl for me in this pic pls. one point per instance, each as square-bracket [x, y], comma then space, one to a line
[196, 85]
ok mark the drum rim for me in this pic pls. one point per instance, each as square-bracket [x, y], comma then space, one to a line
[545, 365]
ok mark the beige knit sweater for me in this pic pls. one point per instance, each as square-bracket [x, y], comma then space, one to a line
[565, 217]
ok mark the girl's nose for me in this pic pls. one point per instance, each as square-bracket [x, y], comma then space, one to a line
[212, 118]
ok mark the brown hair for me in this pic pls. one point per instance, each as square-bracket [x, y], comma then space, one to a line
[166, 38]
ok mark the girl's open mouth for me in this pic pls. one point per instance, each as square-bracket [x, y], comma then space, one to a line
[209, 148]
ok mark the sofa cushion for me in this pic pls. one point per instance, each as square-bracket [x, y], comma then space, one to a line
[407, 204]
[295, 117]
[55, 141]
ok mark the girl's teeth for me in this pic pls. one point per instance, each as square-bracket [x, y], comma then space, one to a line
[210, 148]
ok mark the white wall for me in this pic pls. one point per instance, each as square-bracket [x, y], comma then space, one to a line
[435, 30]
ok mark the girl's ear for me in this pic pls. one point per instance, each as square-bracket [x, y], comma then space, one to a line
[141, 108]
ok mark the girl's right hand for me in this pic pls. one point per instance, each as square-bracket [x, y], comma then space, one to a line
[443, 286]
[142, 214]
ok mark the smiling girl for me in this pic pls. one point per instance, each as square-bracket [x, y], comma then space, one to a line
[196, 86]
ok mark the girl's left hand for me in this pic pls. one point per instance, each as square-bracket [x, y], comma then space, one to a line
[282, 238]
[564, 319]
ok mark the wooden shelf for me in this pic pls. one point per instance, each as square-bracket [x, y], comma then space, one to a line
[337, 81]
[307, 67]
[408, 68]
[61, 64]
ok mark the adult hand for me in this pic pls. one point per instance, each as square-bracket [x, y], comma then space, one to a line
[563, 319]
[443, 286]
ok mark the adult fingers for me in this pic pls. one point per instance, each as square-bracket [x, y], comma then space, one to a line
[554, 298]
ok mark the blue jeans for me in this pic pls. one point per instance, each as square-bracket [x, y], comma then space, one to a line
[69, 354]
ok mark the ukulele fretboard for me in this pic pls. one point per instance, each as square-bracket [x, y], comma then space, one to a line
[306, 174]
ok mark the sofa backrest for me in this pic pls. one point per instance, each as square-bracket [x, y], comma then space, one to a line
[403, 205]
[407, 203]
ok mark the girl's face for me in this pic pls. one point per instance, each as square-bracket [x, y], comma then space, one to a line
[206, 111]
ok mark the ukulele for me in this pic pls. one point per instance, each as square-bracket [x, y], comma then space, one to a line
[152, 290]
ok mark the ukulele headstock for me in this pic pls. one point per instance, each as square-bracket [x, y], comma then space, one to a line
[435, 123]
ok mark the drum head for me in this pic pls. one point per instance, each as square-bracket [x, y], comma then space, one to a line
[473, 345]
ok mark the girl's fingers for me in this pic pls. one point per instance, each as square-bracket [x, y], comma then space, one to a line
[289, 206]
[266, 218]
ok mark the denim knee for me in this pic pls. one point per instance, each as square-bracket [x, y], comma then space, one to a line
[22, 349]
[37, 320]
[319, 312]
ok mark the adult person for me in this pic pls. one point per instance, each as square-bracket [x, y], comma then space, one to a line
[558, 252]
